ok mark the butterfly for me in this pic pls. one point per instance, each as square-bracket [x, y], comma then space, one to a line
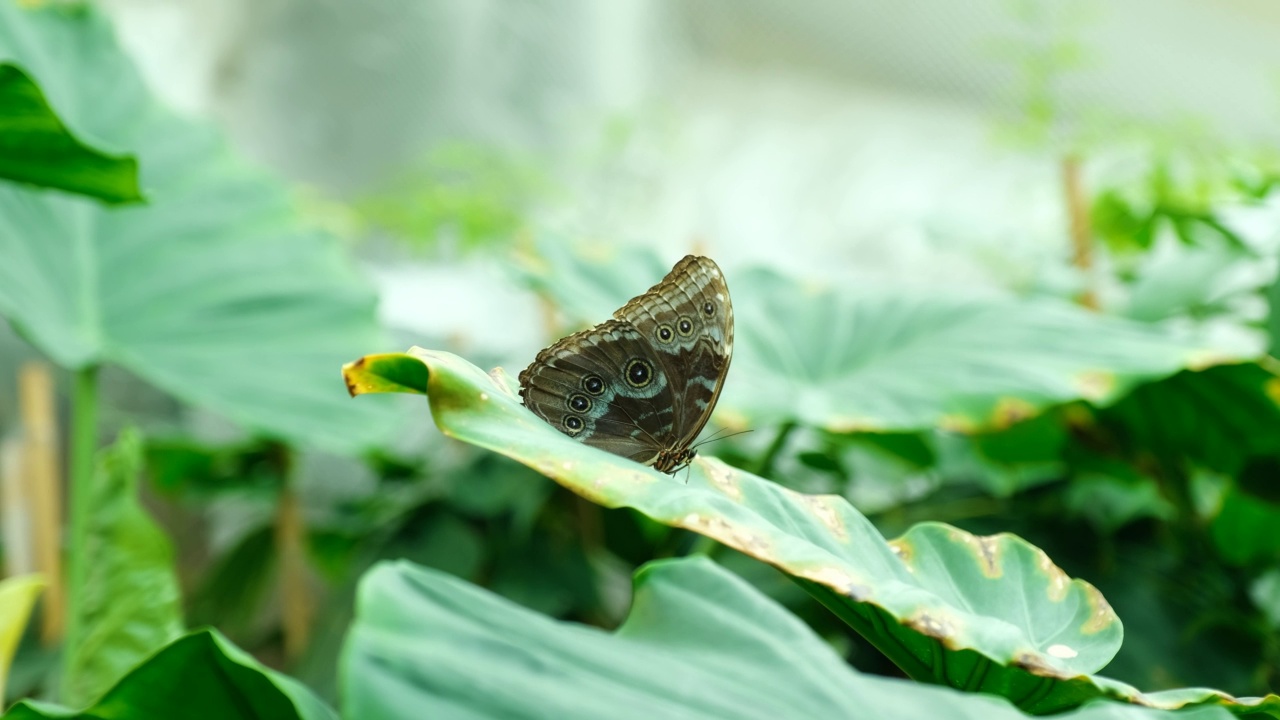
[643, 383]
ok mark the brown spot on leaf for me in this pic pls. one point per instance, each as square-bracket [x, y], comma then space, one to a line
[824, 507]
[1095, 384]
[904, 551]
[989, 555]
[729, 534]
[724, 479]
[932, 625]
[834, 578]
[1102, 616]
[1059, 581]
[1035, 664]
[348, 371]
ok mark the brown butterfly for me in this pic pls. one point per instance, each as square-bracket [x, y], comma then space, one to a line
[642, 384]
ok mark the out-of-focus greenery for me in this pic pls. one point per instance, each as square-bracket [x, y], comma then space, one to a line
[461, 195]
[1135, 445]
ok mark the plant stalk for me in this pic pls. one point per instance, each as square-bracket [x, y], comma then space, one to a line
[1079, 227]
[765, 466]
[84, 447]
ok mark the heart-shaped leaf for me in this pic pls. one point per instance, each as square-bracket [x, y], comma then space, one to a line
[991, 614]
[36, 148]
[214, 292]
[699, 642]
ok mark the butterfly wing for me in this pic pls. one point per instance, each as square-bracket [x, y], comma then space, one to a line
[688, 318]
[606, 387]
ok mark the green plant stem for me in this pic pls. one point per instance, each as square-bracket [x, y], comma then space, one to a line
[765, 466]
[84, 446]
[703, 545]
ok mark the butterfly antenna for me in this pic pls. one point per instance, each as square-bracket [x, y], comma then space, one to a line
[713, 438]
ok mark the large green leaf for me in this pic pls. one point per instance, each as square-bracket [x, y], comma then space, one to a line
[699, 642]
[849, 360]
[846, 358]
[214, 292]
[36, 148]
[131, 605]
[201, 675]
[991, 614]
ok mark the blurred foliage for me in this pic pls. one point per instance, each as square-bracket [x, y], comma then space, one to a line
[461, 196]
[132, 607]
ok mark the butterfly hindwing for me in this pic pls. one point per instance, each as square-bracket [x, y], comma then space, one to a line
[643, 384]
[605, 387]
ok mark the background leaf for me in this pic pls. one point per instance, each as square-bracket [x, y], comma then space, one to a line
[214, 292]
[847, 360]
[36, 148]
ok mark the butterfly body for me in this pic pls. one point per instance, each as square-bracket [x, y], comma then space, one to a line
[643, 383]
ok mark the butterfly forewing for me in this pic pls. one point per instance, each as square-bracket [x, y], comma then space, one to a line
[642, 385]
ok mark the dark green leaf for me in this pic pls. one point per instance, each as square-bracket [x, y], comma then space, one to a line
[200, 675]
[1216, 418]
[1245, 529]
[37, 149]
[1113, 495]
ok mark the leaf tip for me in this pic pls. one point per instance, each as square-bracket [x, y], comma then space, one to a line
[349, 372]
